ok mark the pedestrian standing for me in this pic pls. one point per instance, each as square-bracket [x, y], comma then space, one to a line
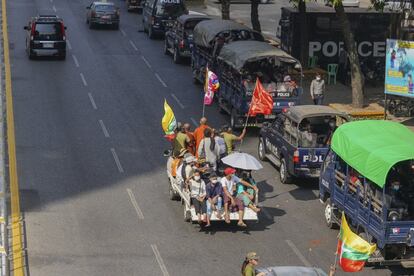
[249, 265]
[199, 133]
[317, 90]
[198, 195]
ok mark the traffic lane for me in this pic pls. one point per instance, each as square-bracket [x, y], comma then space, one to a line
[155, 58]
[69, 112]
[164, 67]
[179, 212]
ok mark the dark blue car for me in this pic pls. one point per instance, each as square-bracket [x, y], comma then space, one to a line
[284, 142]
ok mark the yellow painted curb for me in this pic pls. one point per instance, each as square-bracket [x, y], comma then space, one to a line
[16, 246]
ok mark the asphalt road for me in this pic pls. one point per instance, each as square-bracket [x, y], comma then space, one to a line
[92, 175]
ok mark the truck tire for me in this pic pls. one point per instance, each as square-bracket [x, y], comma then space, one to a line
[330, 215]
[285, 177]
[166, 51]
[261, 149]
[151, 34]
[176, 56]
[233, 119]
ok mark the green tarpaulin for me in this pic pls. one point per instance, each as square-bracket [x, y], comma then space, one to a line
[373, 147]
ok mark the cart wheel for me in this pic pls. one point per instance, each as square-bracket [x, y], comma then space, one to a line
[329, 215]
[187, 215]
[172, 194]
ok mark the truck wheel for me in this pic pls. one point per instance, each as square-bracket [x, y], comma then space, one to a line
[166, 47]
[261, 150]
[176, 57]
[233, 119]
[329, 215]
[285, 177]
[151, 34]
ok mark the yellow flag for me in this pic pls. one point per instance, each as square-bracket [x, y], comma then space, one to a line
[168, 122]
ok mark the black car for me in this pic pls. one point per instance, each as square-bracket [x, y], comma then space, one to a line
[159, 15]
[179, 39]
[46, 37]
[134, 5]
[102, 13]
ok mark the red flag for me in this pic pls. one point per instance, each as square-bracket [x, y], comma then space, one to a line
[262, 101]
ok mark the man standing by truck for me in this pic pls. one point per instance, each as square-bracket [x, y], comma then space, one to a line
[317, 89]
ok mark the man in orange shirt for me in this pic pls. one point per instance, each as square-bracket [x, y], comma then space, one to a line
[191, 145]
[199, 133]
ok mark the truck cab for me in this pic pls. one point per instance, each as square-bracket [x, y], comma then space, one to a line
[298, 140]
[160, 15]
[368, 176]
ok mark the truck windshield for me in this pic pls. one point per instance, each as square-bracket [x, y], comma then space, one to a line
[170, 10]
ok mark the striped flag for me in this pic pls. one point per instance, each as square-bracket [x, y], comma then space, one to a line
[352, 250]
[168, 122]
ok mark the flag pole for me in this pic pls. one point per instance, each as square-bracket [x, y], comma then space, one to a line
[247, 119]
[205, 89]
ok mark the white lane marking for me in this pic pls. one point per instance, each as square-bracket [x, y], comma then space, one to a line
[135, 204]
[133, 45]
[193, 121]
[160, 80]
[146, 62]
[118, 163]
[177, 100]
[297, 252]
[51, 1]
[69, 45]
[104, 129]
[83, 79]
[75, 60]
[92, 101]
[54, 8]
[159, 260]
[122, 32]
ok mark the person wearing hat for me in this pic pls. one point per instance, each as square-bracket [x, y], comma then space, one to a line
[249, 264]
[186, 169]
[214, 197]
[317, 89]
[231, 200]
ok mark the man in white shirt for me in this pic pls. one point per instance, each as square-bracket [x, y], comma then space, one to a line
[229, 183]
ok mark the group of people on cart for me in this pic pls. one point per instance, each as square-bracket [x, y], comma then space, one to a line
[215, 187]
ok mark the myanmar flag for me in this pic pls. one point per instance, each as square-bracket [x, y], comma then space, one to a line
[352, 250]
[168, 122]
